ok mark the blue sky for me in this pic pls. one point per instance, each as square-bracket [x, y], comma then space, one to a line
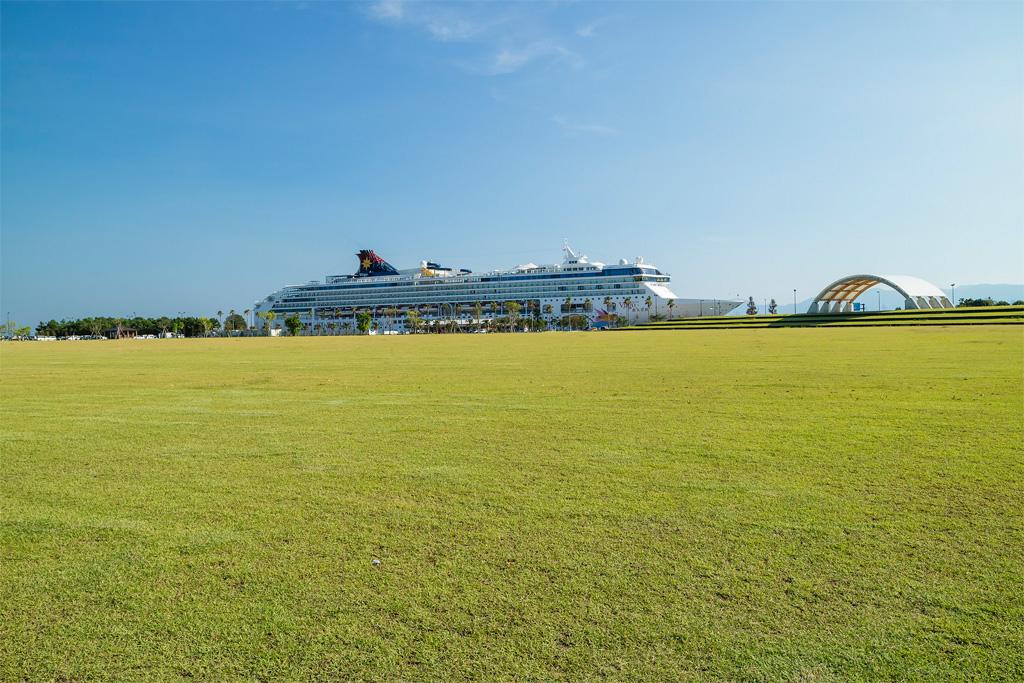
[165, 157]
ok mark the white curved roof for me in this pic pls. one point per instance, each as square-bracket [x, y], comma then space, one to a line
[914, 286]
[852, 286]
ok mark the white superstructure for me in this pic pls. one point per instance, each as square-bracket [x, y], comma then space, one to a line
[631, 289]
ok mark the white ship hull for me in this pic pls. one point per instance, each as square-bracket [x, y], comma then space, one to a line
[591, 294]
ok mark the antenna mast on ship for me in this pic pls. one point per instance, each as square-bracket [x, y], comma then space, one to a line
[570, 255]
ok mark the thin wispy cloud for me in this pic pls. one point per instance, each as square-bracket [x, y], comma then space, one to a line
[589, 30]
[441, 23]
[510, 59]
[387, 9]
[510, 40]
[452, 30]
[577, 128]
[498, 43]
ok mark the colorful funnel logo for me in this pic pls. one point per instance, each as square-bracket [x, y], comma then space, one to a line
[371, 264]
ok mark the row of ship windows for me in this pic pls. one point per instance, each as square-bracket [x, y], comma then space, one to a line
[360, 296]
[497, 284]
[383, 303]
[466, 313]
[420, 299]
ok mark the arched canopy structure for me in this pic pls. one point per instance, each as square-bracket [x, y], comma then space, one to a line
[839, 296]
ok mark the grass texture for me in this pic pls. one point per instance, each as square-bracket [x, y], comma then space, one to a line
[779, 505]
[984, 315]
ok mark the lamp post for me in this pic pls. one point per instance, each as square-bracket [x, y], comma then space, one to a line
[952, 286]
[794, 302]
[879, 293]
[701, 304]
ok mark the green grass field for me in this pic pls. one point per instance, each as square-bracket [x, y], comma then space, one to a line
[791, 505]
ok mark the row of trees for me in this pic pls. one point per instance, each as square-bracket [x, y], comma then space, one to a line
[451, 317]
[493, 316]
[364, 321]
[514, 321]
[189, 326]
[414, 322]
[13, 329]
[773, 307]
[989, 302]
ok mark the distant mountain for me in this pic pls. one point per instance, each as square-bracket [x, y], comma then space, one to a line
[890, 299]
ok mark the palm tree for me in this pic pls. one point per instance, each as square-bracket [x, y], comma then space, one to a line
[412, 320]
[270, 317]
[513, 308]
[607, 304]
[647, 303]
[245, 314]
[567, 307]
[478, 310]
[627, 303]
[494, 313]
[671, 304]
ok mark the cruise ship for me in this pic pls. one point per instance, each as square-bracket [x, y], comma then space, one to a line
[628, 291]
